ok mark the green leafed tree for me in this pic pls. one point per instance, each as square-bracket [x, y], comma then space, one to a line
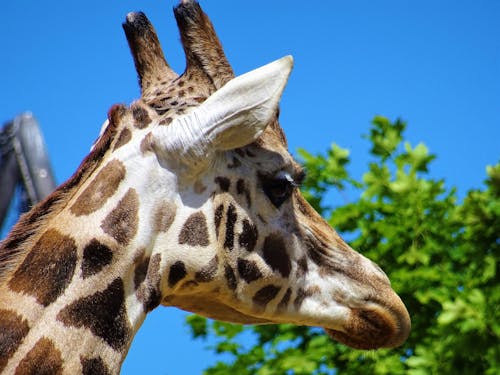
[440, 253]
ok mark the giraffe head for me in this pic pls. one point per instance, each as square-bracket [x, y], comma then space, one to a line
[189, 198]
[232, 237]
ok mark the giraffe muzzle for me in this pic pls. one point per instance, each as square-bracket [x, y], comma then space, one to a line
[375, 327]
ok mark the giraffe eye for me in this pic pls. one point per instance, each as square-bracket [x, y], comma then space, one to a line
[278, 188]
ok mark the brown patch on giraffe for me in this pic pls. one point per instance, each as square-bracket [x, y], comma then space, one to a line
[248, 270]
[218, 218]
[207, 273]
[234, 164]
[147, 281]
[141, 116]
[248, 236]
[96, 256]
[124, 137]
[241, 189]
[147, 144]
[285, 300]
[164, 217]
[122, 222]
[116, 113]
[94, 366]
[13, 328]
[103, 313]
[100, 189]
[47, 269]
[177, 273]
[223, 182]
[275, 254]
[265, 295]
[231, 218]
[160, 109]
[195, 231]
[43, 359]
[230, 277]
[166, 121]
[302, 267]
[141, 269]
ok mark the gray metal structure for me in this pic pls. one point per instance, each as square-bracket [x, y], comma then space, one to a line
[24, 163]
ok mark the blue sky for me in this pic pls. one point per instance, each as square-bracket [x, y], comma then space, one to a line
[435, 64]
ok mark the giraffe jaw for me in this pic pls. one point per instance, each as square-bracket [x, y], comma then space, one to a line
[365, 329]
[216, 310]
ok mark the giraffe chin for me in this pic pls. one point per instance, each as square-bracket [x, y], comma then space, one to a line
[371, 329]
[353, 342]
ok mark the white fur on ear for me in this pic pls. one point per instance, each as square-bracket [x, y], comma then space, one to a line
[232, 117]
[238, 113]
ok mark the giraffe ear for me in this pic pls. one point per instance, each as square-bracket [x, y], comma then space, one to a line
[237, 114]
[232, 117]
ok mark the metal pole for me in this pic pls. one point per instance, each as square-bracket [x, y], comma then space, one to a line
[23, 161]
[10, 177]
[33, 161]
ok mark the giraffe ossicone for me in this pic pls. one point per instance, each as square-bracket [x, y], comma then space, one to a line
[188, 198]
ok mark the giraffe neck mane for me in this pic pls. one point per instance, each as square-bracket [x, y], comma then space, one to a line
[22, 236]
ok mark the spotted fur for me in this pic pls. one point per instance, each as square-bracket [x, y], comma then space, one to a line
[102, 188]
[13, 328]
[43, 359]
[103, 313]
[195, 231]
[52, 270]
[121, 223]
[96, 255]
[94, 366]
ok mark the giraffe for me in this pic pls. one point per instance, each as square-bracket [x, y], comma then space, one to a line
[188, 198]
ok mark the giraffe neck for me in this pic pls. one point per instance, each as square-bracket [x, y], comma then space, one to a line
[77, 307]
[84, 281]
[70, 336]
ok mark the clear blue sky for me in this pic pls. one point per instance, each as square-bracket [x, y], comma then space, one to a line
[435, 64]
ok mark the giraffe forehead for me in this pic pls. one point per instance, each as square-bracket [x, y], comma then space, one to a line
[174, 98]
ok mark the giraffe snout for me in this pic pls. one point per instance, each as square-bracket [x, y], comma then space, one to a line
[382, 323]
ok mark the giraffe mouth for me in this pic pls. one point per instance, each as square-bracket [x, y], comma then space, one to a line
[373, 329]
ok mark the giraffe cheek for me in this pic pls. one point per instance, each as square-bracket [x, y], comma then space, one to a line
[276, 256]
